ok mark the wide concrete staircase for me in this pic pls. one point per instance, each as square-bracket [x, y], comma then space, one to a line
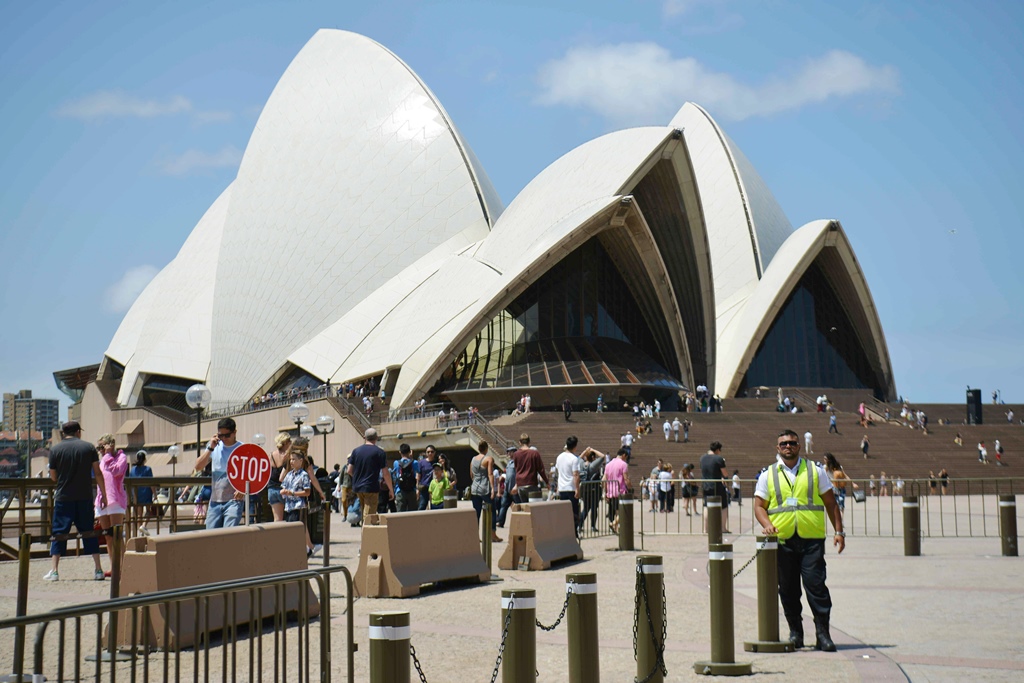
[748, 429]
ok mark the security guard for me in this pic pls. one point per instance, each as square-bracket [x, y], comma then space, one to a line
[793, 496]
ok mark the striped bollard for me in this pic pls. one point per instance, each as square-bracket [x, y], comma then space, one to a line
[650, 639]
[1008, 524]
[723, 660]
[767, 599]
[519, 611]
[581, 618]
[625, 523]
[713, 519]
[451, 498]
[911, 527]
[390, 633]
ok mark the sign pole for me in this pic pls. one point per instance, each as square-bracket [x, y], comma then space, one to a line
[246, 513]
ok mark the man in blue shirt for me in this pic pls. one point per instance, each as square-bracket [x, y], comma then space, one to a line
[405, 475]
[426, 469]
[225, 508]
[368, 465]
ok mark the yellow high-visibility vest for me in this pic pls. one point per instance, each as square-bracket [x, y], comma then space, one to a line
[798, 508]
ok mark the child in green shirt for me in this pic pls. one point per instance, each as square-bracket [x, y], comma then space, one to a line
[438, 486]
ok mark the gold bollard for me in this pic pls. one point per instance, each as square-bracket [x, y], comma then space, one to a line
[649, 619]
[625, 523]
[519, 615]
[713, 519]
[1008, 524]
[767, 599]
[911, 527]
[723, 661]
[390, 633]
[486, 532]
[581, 615]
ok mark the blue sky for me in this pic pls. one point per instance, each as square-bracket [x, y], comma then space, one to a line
[124, 121]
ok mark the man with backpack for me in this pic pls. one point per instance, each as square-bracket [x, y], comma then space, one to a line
[406, 474]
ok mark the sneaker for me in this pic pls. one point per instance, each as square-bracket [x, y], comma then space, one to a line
[316, 548]
[144, 531]
[51, 575]
[309, 552]
[99, 575]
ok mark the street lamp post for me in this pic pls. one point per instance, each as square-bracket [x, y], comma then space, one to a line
[325, 425]
[298, 412]
[198, 397]
[173, 452]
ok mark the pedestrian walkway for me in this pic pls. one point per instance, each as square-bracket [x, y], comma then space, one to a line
[949, 615]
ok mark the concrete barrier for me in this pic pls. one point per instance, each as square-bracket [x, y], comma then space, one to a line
[543, 533]
[155, 563]
[400, 552]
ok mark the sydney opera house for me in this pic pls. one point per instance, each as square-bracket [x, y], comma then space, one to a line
[361, 238]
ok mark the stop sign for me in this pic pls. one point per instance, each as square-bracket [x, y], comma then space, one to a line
[249, 464]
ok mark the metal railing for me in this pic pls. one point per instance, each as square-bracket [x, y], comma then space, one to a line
[960, 508]
[26, 506]
[87, 635]
[177, 504]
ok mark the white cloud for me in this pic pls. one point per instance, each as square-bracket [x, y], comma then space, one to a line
[642, 83]
[120, 296]
[116, 104]
[196, 160]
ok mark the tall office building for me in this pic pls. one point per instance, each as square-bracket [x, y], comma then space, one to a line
[21, 412]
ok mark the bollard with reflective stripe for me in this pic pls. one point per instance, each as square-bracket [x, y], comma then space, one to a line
[486, 534]
[451, 499]
[723, 661]
[650, 580]
[519, 661]
[625, 523]
[1008, 524]
[767, 599]
[713, 519]
[581, 615]
[911, 526]
[390, 633]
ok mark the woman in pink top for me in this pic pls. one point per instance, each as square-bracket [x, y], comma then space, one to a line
[616, 482]
[114, 467]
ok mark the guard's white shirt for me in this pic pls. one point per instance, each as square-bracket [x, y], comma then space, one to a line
[761, 490]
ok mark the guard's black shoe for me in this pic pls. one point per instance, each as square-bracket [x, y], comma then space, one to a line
[797, 638]
[825, 643]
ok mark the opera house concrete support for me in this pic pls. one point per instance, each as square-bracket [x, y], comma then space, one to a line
[638, 265]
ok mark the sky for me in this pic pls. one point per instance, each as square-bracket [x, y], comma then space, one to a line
[122, 122]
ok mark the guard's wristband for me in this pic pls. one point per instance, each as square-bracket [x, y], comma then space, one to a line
[841, 534]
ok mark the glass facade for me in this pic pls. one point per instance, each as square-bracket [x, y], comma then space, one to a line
[577, 325]
[812, 343]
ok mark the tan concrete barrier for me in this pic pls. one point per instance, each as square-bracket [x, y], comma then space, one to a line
[401, 552]
[543, 533]
[156, 563]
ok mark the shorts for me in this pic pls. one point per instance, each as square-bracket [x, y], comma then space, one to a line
[274, 496]
[79, 513]
[110, 510]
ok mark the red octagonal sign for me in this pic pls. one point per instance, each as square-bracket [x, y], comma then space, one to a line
[249, 464]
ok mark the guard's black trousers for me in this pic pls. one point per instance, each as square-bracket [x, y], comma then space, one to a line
[803, 558]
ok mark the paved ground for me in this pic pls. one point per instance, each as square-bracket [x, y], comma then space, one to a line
[950, 615]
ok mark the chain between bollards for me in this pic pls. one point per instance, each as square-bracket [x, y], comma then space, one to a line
[416, 663]
[561, 615]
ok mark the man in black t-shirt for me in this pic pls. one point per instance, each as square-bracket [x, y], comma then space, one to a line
[368, 466]
[73, 465]
[712, 471]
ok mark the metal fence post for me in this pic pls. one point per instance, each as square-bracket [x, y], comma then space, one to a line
[713, 519]
[767, 599]
[390, 633]
[722, 662]
[649, 619]
[581, 615]
[486, 533]
[21, 609]
[1008, 524]
[625, 523]
[519, 663]
[911, 526]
